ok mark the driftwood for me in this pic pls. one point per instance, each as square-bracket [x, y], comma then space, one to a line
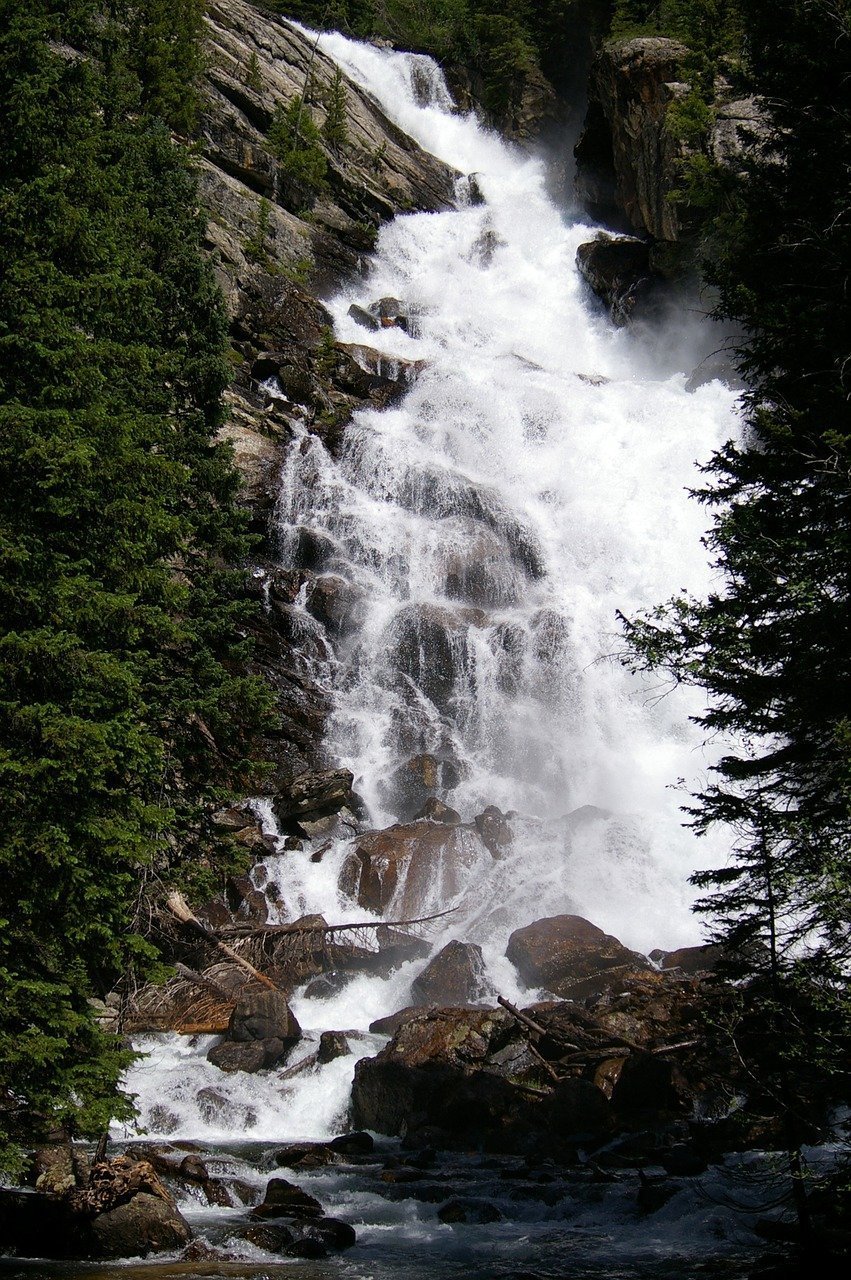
[179, 908]
[278, 930]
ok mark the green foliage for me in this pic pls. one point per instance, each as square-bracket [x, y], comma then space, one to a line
[253, 78]
[257, 244]
[769, 647]
[124, 707]
[164, 53]
[295, 139]
[335, 128]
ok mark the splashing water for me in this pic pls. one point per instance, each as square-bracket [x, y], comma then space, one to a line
[531, 483]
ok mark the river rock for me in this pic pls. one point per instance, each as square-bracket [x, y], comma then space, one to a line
[571, 957]
[403, 864]
[456, 976]
[316, 794]
[688, 959]
[364, 318]
[390, 313]
[617, 269]
[420, 778]
[332, 1044]
[263, 1015]
[469, 1209]
[145, 1224]
[286, 1200]
[494, 828]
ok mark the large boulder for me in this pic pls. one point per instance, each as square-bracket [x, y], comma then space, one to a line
[316, 794]
[146, 1224]
[617, 270]
[415, 866]
[263, 1015]
[456, 976]
[456, 1077]
[571, 957]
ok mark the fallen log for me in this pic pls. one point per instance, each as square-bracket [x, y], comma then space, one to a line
[179, 908]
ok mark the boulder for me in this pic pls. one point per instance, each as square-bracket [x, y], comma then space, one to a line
[688, 959]
[316, 794]
[403, 864]
[649, 1085]
[254, 1056]
[390, 314]
[617, 269]
[456, 976]
[263, 1015]
[494, 828]
[145, 1224]
[330, 1233]
[571, 957]
[413, 783]
[286, 1200]
[389, 1025]
[436, 811]
[332, 1044]
[363, 317]
[337, 603]
[353, 1144]
[468, 1209]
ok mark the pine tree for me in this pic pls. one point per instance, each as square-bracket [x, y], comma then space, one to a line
[124, 707]
[771, 648]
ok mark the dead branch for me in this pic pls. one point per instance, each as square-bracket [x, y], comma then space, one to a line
[179, 908]
[276, 930]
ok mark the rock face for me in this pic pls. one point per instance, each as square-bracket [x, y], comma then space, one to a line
[617, 269]
[571, 957]
[456, 975]
[626, 156]
[451, 1077]
[316, 795]
[411, 866]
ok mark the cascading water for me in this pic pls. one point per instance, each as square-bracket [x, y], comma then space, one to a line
[530, 483]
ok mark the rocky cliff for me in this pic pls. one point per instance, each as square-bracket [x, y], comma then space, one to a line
[274, 259]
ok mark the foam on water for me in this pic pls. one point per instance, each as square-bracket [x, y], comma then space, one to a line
[531, 483]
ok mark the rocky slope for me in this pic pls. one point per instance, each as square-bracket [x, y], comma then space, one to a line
[273, 262]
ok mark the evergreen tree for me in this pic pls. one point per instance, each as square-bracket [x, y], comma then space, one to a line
[771, 648]
[123, 703]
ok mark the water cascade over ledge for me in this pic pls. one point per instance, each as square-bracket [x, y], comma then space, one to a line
[531, 481]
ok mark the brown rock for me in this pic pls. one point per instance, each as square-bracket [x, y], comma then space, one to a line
[332, 1044]
[571, 956]
[412, 856]
[436, 811]
[316, 794]
[456, 976]
[286, 1200]
[263, 1015]
[145, 1224]
[495, 830]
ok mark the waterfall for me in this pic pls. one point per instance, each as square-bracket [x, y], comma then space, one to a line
[531, 482]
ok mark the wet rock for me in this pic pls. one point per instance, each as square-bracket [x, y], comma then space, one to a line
[316, 794]
[429, 644]
[326, 985]
[688, 959]
[468, 1209]
[286, 1200]
[330, 1233]
[578, 1112]
[145, 1224]
[401, 865]
[390, 314]
[456, 976]
[264, 1015]
[337, 603]
[399, 373]
[332, 1044]
[436, 811]
[395, 947]
[571, 956]
[233, 819]
[305, 1155]
[617, 269]
[364, 318]
[415, 782]
[389, 1025]
[273, 1237]
[254, 1056]
[356, 1143]
[310, 550]
[494, 828]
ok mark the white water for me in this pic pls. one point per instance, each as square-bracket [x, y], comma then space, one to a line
[531, 483]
